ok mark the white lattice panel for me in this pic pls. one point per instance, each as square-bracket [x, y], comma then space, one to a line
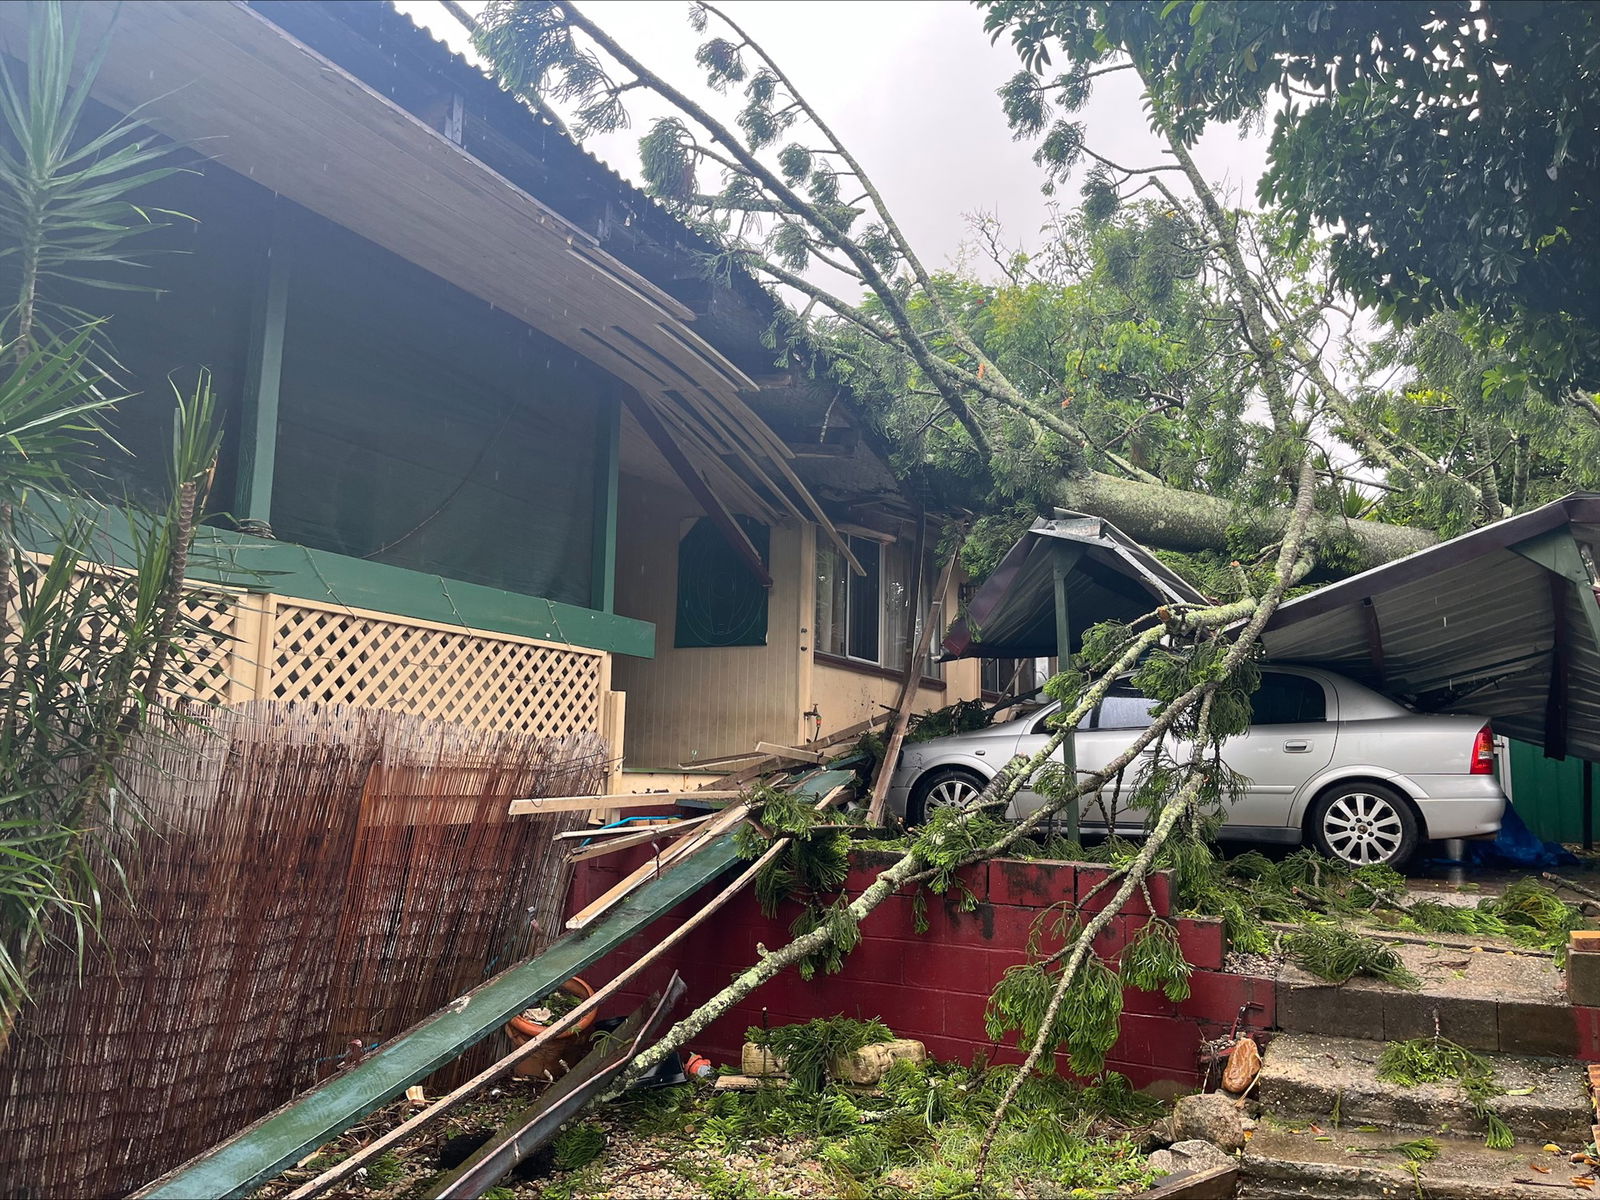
[328, 655]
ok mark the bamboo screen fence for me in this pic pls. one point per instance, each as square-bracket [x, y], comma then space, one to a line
[306, 877]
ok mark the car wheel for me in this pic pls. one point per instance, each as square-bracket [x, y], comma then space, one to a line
[946, 787]
[1364, 824]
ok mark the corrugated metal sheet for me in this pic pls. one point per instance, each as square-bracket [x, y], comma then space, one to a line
[1013, 615]
[1466, 626]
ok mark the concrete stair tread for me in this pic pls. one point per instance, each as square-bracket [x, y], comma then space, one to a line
[1457, 970]
[1486, 1001]
[1280, 1165]
[1304, 1077]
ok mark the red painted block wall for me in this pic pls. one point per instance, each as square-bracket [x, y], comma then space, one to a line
[934, 985]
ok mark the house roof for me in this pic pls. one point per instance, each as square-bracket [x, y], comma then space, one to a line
[355, 142]
[1112, 578]
[839, 454]
[1503, 622]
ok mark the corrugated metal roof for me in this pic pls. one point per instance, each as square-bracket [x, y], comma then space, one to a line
[1470, 625]
[1013, 615]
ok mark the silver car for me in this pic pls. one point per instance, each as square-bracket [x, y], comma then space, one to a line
[1326, 761]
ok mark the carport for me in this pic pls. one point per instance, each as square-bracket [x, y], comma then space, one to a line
[1067, 574]
[1503, 622]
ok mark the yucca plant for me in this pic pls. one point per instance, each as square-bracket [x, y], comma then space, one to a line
[87, 650]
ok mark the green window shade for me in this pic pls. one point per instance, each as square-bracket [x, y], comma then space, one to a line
[420, 427]
[720, 603]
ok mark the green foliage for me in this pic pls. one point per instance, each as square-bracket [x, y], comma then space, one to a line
[1086, 1023]
[579, 1145]
[1339, 955]
[945, 842]
[1487, 193]
[1439, 1060]
[808, 1051]
[923, 1124]
[1153, 961]
[87, 656]
[384, 1170]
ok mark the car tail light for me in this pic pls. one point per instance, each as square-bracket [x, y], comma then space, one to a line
[1483, 753]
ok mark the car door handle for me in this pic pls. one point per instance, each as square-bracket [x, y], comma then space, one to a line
[1297, 746]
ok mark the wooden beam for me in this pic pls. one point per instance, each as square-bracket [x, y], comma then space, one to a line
[908, 692]
[651, 833]
[718, 760]
[537, 805]
[603, 552]
[761, 767]
[699, 489]
[633, 826]
[685, 847]
[791, 752]
[258, 429]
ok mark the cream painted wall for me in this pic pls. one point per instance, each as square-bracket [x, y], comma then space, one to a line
[702, 702]
[845, 695]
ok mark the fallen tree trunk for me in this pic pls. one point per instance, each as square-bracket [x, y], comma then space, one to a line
[1169, 518]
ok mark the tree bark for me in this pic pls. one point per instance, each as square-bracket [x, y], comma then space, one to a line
[1170, 518]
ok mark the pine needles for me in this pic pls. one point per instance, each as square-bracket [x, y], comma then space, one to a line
[1439, 1060]
[808, 1051]
[1338, 955]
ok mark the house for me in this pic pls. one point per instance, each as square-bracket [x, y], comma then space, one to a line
[497, 448]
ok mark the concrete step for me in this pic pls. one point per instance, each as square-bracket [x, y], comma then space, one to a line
[1280, 1165]
[1334, 1082]
[1485, 1000]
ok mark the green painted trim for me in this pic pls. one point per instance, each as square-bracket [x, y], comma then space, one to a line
[258, 430]
[1558, 551]
[289, 569]
[284, 1136]
[608, 467]
[1063, 562]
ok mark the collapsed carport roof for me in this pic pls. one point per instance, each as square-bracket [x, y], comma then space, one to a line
[1107, 577]
[1502, 622]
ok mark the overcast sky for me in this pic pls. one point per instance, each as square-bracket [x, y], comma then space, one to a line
[909, 86]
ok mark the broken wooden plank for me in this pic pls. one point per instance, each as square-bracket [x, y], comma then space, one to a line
[791, 752]
[550, 804]
[834, 785]
[718, 761]
[762, 767]
[651, 833]
[684, 847]
[633, 826]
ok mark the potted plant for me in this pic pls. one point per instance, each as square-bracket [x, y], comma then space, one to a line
[536, 1018]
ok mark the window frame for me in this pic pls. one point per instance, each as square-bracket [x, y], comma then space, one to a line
[830, 570]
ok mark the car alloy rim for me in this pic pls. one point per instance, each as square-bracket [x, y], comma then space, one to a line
[949, 793]
[1362, 828]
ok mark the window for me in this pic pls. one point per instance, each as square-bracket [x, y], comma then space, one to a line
[1287, 700]
[869, 617]
[1124, 708]
[1010, 676]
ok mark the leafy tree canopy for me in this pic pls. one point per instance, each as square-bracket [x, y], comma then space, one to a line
[1452, 145]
